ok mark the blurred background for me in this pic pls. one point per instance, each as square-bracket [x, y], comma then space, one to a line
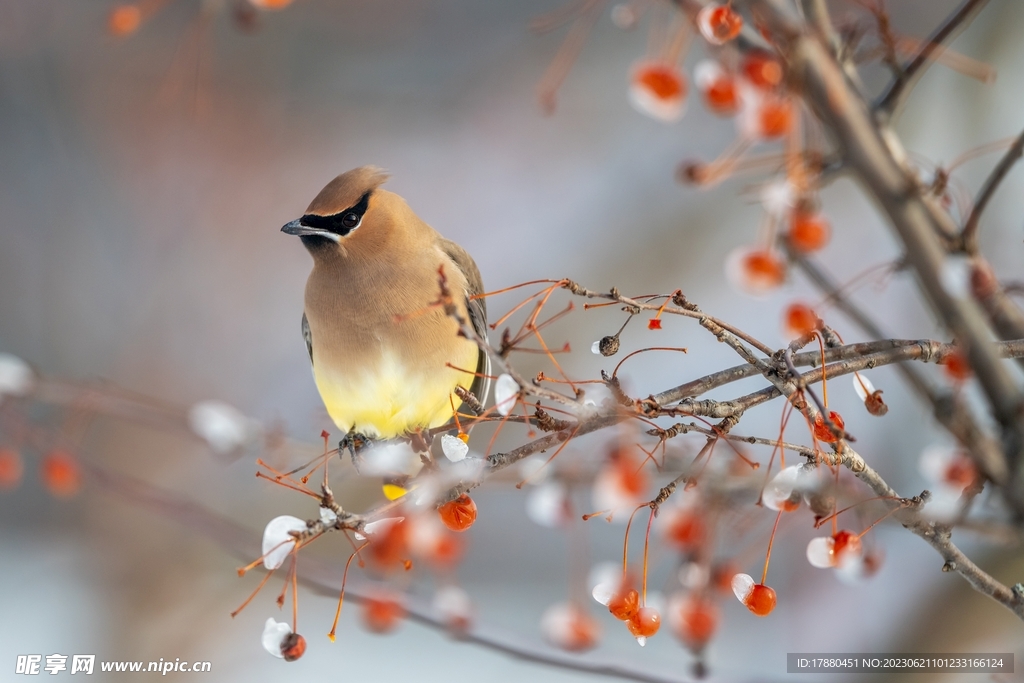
[143, 183]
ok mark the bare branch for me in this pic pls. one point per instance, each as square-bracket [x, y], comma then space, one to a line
[936, 535]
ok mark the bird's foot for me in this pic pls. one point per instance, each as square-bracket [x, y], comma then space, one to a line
[354, 443]
[420, 440]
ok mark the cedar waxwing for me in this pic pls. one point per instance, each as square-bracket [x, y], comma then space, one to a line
[380, 351]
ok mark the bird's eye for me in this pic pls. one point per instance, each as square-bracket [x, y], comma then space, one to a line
[351, 220]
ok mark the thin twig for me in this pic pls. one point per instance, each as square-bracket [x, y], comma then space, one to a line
[969, 235]
[891, 100]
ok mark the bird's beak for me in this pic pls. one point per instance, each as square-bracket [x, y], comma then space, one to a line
[296, 227]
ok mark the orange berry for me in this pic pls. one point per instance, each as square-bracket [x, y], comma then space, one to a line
[762, 264]
[719, 23]
[756, 270]
[821, 430]
[844, 542]
[721, 96]
[389, 547]
[630, 473]
[382, 614]
[774, 117]
[760, 600]
[808, 231]
[658, 89]
[685, 529]
[960, 472]
[624, 604]
[645, 623]
[762, 69]
[458, 514]
[124, 20]
[447, 550]
[293, 647]
[568, 626]
[11, 468]
[662, 81]
[61, 474]
[654, 324]
[874, 403]
[956, 366]
[696, 621]
[800, 320]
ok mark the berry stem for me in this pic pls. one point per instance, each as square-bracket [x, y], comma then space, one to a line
[850, 507]
[295, 593]
[877, 521]
[341, 597]
[647, 540]
[824, 384]
[768, 555]
[625, 541]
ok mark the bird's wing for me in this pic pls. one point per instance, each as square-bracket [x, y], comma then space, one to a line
[477, 313]
[308, 337]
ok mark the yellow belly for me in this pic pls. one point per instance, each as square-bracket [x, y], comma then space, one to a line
[388, 399]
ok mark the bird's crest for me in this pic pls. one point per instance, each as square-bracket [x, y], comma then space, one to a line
[346, 190]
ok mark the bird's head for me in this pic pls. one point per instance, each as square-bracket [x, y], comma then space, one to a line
[348, 213]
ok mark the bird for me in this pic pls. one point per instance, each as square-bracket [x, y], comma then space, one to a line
[386, 358]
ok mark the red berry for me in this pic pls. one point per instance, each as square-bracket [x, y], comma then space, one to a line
[624, 604]
[960, 472]
[762, 69]
[808, 231]
[61, 474]
[800, 320]
[755, 270]
[760, 600]
[874, 403]
[956, 366]
[11, 468]
[696, 621]
[645, 623]
[719, 23]
[721, 96]
[293, 647]
[774, 117]
[845, 542]
[458, 514]
[658, 89]
[570, 627]
[382, 614]
[685, 529]
[821, 430]
[389, 547]
[662, 81]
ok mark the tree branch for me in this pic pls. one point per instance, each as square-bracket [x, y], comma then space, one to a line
[956, 417]
[873, 154]
[936, 535]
